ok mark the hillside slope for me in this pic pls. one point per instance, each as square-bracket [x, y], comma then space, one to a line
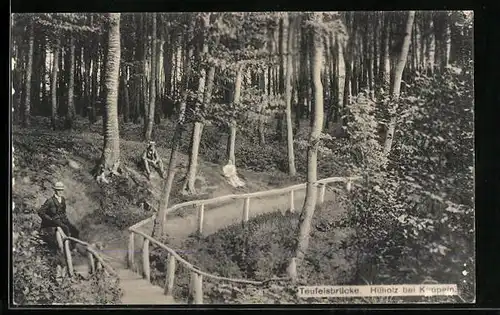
[104, 211]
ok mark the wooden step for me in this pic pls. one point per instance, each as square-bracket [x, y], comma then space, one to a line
[139, 291]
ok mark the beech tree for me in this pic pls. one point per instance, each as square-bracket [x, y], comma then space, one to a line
[307, 213]
[110, 159]
[396, 85]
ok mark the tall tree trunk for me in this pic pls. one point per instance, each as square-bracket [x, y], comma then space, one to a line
[55, 64]
[418, 46]
[282, 48]
[95, 81]
[306, 216]
[37, 73]
[288, 99]
[167, 64]
[341, 79]
[29, 71]
[262, 115]
[398, 73]
[125, 88]
[159, 222]
[197, 132]
[70, 114]
[447, 40]
[236, 100]
[152, 83]
[385, 67]
[204, 95]
[110, 159]
[431, 48]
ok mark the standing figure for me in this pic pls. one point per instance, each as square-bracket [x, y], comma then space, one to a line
[53, 214]
[151, 156]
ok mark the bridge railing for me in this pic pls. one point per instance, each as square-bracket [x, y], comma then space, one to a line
[95, 261]
[196, 281]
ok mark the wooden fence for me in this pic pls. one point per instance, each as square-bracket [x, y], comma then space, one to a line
[196, 281]
[95, 261]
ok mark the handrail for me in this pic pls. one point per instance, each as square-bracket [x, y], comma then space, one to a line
[190, 266]
[264, 193]
[197, 274]
[63, 238]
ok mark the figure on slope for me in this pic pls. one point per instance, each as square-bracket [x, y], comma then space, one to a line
[150, 156]
[229, 171]
[53, 215]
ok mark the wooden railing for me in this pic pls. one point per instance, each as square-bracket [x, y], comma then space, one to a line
[95, 260]
[196, 281]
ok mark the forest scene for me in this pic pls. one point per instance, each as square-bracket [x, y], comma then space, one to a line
[233, 157]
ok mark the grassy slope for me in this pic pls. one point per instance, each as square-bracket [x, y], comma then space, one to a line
[103, 212]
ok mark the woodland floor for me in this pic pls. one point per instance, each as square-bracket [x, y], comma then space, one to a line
[44, 156]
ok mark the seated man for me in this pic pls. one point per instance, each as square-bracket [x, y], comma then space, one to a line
[53, 215]
[151, 156]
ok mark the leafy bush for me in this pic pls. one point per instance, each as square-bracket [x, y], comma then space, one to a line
[404, 229]
[119, 201]
[259, 251]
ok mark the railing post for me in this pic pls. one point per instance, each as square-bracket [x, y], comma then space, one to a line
[201, 212]
[348, 185]
[196, 288]
[131, 250]
[322, 192]
[169, 280]
[292, 270]
[69, 259]
[91, 262]
[246, 210]
[292, 201]
[145, 259]
[59, 240]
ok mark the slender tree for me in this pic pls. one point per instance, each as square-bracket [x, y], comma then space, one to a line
[288, 98]
[55, 63]
[306, 216]
[203, 102]
[71, 113]
[152, 83]
[110, 159]
[29, 71]
[159, 222]
[397, 74]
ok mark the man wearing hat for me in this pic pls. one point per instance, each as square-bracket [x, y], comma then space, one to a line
[53, 214]
[151, 156]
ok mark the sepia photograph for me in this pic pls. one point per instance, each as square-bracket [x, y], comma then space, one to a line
[232, 158]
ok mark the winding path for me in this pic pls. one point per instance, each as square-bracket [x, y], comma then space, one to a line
[140, 291]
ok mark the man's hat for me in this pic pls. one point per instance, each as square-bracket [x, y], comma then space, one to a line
[151, 142]
[59, 186]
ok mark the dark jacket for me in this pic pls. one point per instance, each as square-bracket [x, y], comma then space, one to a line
[53, 213]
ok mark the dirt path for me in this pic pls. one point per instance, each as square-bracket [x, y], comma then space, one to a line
[179, 228]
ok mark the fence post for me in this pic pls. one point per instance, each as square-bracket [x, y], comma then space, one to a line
[292, 201]
[59, 240]
[91, 262]
[292, 270]
[69, 259]
[246, 210]
[322, 193]
[145, 259]
[197, 288]
[131, 250]
[201, 212]
[169, 280]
